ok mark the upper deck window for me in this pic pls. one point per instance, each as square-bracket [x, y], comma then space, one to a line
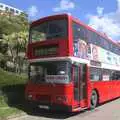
[49, 30]
[79, 32]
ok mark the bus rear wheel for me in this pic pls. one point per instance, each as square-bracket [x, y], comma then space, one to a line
[93, 100]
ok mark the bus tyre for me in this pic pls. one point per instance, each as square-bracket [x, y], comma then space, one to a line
[93, 99]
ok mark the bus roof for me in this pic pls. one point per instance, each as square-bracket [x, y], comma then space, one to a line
[52, 17]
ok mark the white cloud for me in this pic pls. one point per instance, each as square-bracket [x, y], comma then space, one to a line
[32, 11]
[64, 5]
[107, 23]
[100, 10]
[69, 13]
[118, 5]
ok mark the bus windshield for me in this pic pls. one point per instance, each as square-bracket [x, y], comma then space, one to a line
[49, 30]
[50, 72]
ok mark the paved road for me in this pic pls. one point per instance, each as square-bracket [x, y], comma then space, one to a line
[108, 111]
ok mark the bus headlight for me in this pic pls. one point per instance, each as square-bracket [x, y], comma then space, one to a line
[61, 98]
[30, 97]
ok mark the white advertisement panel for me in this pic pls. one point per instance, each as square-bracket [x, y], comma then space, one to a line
[57, 78]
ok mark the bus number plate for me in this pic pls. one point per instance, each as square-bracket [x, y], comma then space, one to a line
[44, 107]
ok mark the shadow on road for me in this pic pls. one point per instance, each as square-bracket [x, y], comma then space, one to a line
[53, 115]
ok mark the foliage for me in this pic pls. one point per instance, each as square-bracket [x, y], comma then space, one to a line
[10, 82]
[8, 78]
[10, 23]
[13, 39]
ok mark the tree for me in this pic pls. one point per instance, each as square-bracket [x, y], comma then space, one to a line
[14, 33]
[17, 47]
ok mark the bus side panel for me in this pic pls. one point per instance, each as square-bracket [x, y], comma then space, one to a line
[70, 36]
[107, 90]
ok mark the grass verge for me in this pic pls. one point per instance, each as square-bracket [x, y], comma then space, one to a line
[6, 110]
[10, 86]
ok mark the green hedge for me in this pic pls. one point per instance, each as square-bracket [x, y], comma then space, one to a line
[7, 78]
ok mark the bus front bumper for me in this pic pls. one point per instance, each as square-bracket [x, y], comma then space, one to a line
[52, 107]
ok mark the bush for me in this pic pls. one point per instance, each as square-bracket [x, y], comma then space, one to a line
[7, 79]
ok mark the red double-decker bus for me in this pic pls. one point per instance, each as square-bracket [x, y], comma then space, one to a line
[71, 66]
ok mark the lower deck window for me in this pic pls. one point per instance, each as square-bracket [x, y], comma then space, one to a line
[95, 74]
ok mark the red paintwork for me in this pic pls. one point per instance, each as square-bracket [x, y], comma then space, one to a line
[51, 90]
[70, 36]
[61, 50]
[106, 89]
[64, 44]
[49, 18]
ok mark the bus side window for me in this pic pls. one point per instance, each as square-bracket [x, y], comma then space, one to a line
[95, 74]
[118, 75]
[115, 75]
[106, 74]
[79, 32]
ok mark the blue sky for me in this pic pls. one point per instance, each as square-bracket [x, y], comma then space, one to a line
[103, 15]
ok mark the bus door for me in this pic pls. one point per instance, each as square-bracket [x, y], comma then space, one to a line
[79, 80]
[83, 85]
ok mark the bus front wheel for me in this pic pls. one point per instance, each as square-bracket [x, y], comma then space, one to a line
[93, 99]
